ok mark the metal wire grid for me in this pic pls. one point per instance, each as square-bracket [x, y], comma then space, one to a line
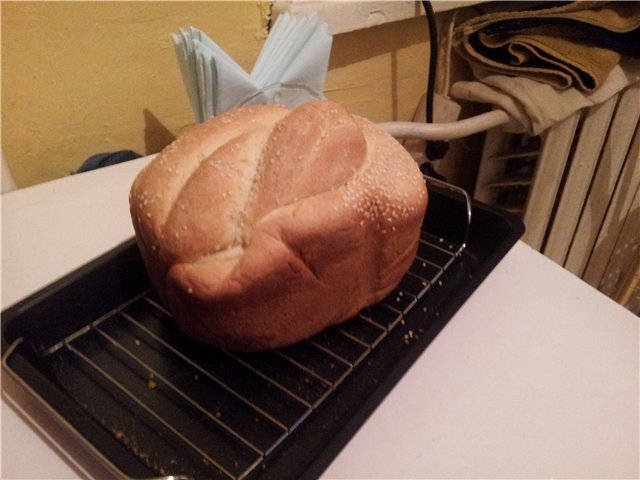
[188, 411]
[183, 408]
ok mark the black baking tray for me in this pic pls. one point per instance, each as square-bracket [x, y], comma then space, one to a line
[101, 353]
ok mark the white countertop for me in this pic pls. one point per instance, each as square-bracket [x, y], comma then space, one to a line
[537, 375]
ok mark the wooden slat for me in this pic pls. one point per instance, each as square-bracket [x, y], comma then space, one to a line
[509, 182]
[630, 295]
[620, 268]
[618, 211]
[490, 170]
[523, 151]
[618, 142]
[583, 164]
[556, 146]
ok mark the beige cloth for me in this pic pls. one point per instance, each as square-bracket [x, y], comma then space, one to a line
[536, 106]
[572, 45]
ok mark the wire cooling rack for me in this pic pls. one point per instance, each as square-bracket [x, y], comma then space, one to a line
[152, 403]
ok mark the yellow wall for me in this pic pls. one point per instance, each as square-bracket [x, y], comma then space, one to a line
[380, 72]
[80, 78]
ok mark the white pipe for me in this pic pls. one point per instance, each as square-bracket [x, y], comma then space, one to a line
[446, 131]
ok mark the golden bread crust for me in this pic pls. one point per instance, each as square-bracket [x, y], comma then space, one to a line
[284, 223]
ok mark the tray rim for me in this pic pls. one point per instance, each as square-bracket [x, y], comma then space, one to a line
[57, 418]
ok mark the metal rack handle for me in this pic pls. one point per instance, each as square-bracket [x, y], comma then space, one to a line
[467, 199]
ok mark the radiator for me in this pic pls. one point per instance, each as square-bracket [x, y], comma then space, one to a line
[576, 187]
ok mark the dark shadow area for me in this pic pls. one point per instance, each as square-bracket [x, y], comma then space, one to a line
[156, 135]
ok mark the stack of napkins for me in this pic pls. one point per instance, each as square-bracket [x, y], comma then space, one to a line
[290, 69]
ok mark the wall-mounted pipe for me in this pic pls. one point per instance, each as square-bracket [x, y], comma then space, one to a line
[446, 131]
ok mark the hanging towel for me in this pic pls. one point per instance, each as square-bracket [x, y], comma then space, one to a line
[535, 106]
[564, 44]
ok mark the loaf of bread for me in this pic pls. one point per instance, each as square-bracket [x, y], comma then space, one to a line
[266, 225]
